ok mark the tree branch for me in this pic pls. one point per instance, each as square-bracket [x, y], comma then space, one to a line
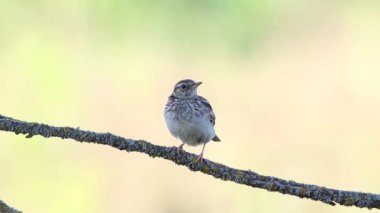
[4, 208]
[245, 177]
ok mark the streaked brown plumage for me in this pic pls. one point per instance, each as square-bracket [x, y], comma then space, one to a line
[190, 117]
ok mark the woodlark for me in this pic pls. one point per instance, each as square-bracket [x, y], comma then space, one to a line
[189, 116]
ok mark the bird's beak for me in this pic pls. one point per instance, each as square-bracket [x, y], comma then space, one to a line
[197, 84]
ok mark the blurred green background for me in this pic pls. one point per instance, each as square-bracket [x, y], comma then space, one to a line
[294, 85]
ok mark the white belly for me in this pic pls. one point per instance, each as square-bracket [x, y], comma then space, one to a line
[197, 130]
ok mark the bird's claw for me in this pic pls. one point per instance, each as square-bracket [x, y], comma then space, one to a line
[180, 149]
[199, 159]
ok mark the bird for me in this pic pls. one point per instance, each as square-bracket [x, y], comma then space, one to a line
[189, 116]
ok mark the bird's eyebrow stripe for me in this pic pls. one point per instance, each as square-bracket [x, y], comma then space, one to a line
[179, 85]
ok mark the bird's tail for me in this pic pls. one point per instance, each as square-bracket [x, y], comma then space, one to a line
[216, 138]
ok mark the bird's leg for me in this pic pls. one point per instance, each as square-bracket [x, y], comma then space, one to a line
[200, 157]
[180, 148]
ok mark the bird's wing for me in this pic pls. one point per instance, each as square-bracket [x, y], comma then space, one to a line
[211, 114]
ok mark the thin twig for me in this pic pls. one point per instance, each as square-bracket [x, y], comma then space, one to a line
[217, 170]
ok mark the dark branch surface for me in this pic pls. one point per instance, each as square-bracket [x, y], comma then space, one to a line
[245, 177]
[4, 208]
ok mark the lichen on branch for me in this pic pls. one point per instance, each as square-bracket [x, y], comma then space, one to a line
[4, 208]
[217, 170]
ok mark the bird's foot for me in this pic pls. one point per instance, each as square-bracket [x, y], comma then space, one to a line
[180, 149]
[197, 160]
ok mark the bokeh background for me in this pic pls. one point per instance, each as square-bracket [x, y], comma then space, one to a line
[295, 86]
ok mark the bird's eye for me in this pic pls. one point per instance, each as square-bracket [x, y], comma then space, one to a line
[183, 86]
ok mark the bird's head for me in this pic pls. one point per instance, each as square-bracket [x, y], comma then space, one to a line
[186, 88]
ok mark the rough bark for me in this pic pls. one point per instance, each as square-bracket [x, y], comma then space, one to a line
[217, 170]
